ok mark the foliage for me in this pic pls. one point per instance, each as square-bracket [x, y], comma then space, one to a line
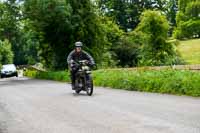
[57, 76]
[193, 9]
[146, 45]
[171, 11]
[188, 20]
[45, 31]
[50, 19]
[128, 49]
[6, 54]
[10, 25]
[165, 81]
[127, 12]
[61, 24]
[112, 34]
[87, 27]
[189, 29]
[177, 82]
[156, 51]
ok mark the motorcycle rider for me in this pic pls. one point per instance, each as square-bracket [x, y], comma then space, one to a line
[76, 55]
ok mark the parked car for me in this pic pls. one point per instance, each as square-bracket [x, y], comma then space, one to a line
[9, 70]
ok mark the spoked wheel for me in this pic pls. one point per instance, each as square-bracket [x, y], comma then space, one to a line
[89, 88]
[78, 90]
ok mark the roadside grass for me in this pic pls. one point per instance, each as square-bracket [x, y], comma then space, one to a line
[190, 51]
[178, 82]
[62, 76]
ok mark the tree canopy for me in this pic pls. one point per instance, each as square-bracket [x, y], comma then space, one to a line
[188, 19]
[6, 54]
[118, 33]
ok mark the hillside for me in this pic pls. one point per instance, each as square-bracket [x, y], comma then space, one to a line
[190, 51]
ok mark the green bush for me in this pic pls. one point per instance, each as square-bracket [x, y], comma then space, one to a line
[128, 49]
[188, 23]
[165, 81]
[57, 76]
[156, 50]
[6, 53]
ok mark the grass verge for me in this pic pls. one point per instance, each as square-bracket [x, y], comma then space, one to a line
[179, 82]
[190, 51]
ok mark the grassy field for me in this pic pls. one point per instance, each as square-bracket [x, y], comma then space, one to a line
[190, 51]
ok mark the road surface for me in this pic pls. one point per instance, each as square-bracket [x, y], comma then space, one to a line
[42, 106]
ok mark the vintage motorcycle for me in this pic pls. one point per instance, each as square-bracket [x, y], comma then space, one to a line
[83, 80]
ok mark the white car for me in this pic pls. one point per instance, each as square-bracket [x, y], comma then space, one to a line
[9, 70]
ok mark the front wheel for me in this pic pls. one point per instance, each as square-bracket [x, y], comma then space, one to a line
[89, 87]
[77, 91]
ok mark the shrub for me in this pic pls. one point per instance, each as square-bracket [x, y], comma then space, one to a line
[57, 76]
[188, 23]
[165, 81]
[156, 50]
[6, 54]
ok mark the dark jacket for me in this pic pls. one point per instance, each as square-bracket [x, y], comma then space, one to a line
[80, 56]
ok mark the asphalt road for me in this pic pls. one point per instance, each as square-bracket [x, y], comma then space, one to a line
[41, 106]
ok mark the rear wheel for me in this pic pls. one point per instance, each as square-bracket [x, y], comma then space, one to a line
[89, 86]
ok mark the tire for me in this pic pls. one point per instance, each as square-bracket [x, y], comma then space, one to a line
[77, 91]
[89, 88]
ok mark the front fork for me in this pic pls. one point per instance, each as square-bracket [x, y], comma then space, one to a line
[82, 82]
[87, 80]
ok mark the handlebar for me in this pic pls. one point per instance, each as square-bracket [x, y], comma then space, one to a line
[84, 62]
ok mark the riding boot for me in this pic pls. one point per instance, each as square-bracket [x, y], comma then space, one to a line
[73, 85]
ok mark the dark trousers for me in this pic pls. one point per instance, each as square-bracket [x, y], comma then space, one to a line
[73, 77]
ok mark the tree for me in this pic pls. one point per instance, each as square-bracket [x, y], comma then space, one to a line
[128, 49]
[87, 27]
[112, 37]
[171, 11]
[29, 44]
[10, 27]
[155, 27]
[6, 54]
[51, 21]
[60, 24]
[188, 19]
[127, 12]
[17, 30]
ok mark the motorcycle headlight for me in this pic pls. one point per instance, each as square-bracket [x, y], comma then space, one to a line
[85, 67]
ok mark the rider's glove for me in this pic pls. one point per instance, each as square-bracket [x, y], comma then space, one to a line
[72, 63]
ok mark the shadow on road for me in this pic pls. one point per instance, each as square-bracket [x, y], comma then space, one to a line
[80, 94]
[14, 81]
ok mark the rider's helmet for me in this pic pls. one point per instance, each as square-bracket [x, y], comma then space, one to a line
[78, 44]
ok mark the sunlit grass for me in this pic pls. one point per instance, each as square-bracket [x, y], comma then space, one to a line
[190, 51]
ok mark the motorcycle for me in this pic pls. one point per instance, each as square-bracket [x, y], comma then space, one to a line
[83, 80]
